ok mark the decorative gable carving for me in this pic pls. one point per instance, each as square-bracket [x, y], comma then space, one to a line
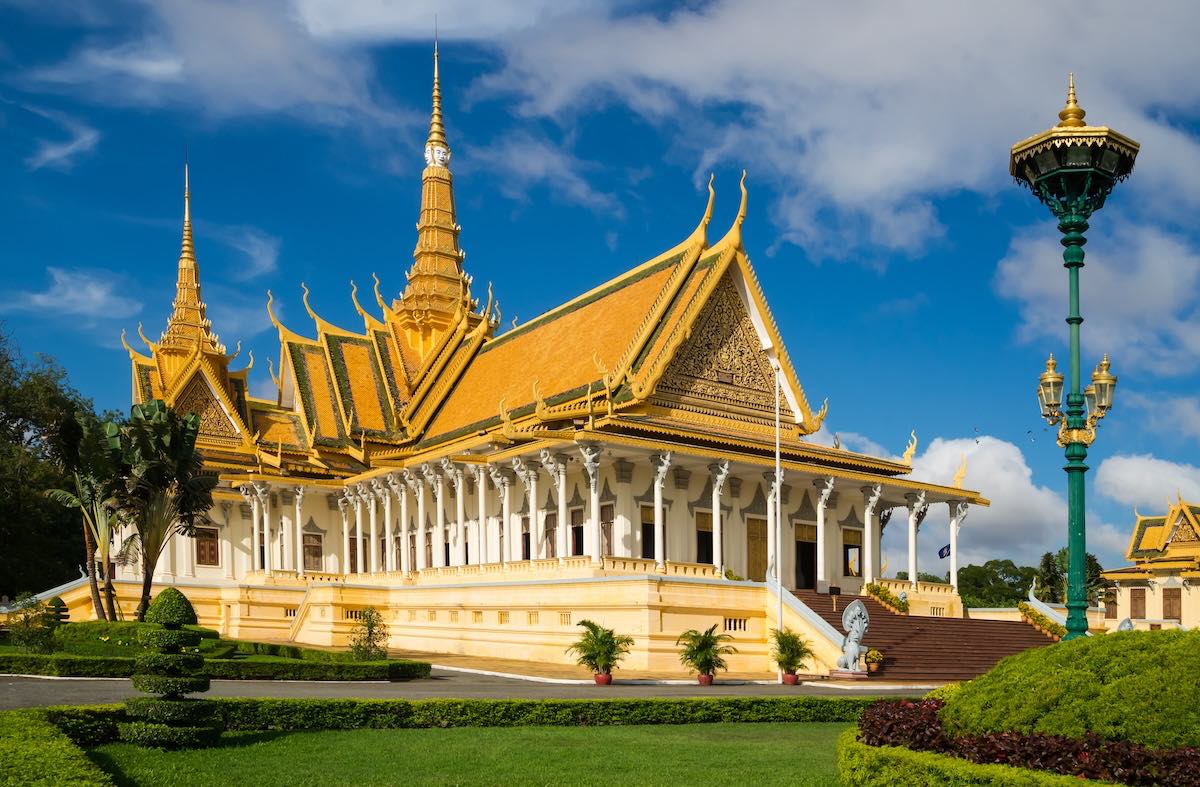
[1184, 533]
[722, 363]
[215, 424]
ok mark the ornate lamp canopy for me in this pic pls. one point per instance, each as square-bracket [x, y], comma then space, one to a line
[1050, 388]
[1072, 167]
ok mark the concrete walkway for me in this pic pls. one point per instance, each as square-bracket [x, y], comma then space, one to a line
[24, 692]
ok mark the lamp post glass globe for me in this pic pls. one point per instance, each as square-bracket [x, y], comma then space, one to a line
[1072, 168]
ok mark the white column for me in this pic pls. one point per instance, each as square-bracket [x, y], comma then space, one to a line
[662, 463]
[824, 492]
[503, 481]
[369, 492]
[264, 499]
[437, 483]
[871, 496]
[251, 495]
[400, 489]
[359, 527]
[481, 534]
[591, 464]
[958, 515]
[389, 543]
[418, 489]
[556, 467]
[773, 491]
[527, 471]
[187, 555]
[344, 506]
[299, 531]
[226, 543]
[458, 551]
[720, 471]
[917, 507]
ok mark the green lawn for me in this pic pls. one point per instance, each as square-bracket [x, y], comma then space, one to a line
[709, 754]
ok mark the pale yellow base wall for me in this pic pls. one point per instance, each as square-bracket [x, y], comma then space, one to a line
[535, 621]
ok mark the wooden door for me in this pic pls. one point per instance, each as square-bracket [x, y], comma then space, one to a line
[1137, 603]
[756, 549]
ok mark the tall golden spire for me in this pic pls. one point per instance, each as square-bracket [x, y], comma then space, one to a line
[188, 326]
[1071, 114]
[438, 291]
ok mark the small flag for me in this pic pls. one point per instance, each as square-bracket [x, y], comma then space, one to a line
[944, 552]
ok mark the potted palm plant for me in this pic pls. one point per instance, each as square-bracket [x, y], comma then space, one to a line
[704, 652]
[874, 659]
[790, 651]
[599, 649]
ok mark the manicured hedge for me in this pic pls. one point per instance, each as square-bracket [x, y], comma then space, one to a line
[1136, 686]
[861, 765]
[395, 669]
[288, 651]
[97, 724]
[222, 669]
[35, 751]
[117, 638]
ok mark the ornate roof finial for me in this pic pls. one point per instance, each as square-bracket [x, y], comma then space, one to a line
[188, 252]
[1071, 114]
[437, 149]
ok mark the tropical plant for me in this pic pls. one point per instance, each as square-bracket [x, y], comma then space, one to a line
[163, 489]
[92, 466]
[599, 648]
[873, 656]
[31, 625]
[789, 650]
[704, 652]
[368, 639]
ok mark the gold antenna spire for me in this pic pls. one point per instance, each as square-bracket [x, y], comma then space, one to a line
[437, 130]
[1072, 114]
[188, 252]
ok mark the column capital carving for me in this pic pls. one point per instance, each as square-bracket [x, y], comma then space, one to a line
[555, 464]
[958, 510]
[824, 487]
[412, 480]
[662, 464]
[591, 463]
[501, 476]
[719, 471]
[526, 470]
[299, 491]
[263, 490]
[395, 484]
[343, 502]
[871, 496]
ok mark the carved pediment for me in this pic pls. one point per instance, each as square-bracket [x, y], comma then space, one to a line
[723, 363]
[215, 423]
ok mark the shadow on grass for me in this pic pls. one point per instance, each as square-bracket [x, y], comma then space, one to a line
[229, 740]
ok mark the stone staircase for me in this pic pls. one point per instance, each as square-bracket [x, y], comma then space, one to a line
[918, 648]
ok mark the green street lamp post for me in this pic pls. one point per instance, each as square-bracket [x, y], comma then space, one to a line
[1071, 168]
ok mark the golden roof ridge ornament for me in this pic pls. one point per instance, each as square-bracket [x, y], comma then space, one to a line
[437, 128]
[733, 238]
[1072, 114]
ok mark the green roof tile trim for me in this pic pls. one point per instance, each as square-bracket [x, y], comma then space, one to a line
[143, 377]
[381, 346]
[304, 386]
[701, 269]
[341, 375]
[616, 285]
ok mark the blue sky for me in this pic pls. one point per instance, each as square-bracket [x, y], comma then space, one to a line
[915, 285]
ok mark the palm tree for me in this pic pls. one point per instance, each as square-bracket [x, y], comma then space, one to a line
[705, 651]
[86, 458]
[163, 489]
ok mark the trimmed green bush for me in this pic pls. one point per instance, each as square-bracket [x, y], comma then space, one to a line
[153, 638]
[66, 666]
[171, 608]
[396, 669]
[184, 712]
[861, 765]
[173, 664]
[288, 651]
[224, 669]
[117, 638]
[1137, 686]
[34, 751]
[943, 693]
[171, 687]
[168, 736]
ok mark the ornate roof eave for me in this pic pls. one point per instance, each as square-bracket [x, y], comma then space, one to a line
[1056, 137]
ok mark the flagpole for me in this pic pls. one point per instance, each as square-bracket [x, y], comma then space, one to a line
[778, 517]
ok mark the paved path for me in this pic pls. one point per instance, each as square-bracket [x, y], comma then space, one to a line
[30, 692]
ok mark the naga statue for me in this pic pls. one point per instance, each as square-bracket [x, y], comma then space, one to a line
[855, 620]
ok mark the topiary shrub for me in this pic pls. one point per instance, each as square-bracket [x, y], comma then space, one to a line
[171, 605]
[59, 614]
[169, 721]
[1136, 686]
[31, 625]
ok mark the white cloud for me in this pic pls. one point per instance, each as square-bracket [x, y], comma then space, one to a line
[1147, 482]
[1138, 294]
[1024, 521]
[90, 294]
[225, 59]
[260, 248]
[1175, 416]
[62, 154]
[382, 20]
[522, 161]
